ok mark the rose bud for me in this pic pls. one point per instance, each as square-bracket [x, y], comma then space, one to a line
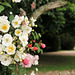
[43, 45]
[30, 45]
[33, 5]
[35, 48]
[25, 61]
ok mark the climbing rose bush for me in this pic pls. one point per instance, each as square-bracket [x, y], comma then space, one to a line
[19, 42]
[14, 41]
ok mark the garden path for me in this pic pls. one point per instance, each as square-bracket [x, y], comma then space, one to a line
[69, 72]
[61, 53]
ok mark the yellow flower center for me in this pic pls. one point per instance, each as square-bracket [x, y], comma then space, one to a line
[26, 20]
[31, 20]
[5, 59]
[4, 27]
[16, 23]
[11, 49]
[22, 53]
[23, 39]
[27, 29]
[18, 32]
[30, 25]
[7, 40]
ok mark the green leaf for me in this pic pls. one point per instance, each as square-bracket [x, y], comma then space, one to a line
[36, 44]
[38, 50]
[39, 35]
[11, 17]
[34, 37]
[6, 4]
[41, 51]
[32, 33]
[1, 8]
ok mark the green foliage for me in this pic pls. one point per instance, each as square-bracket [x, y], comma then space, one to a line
[72, 1]
[57, 22]
[17, 69]
[6, 4]
[70, 19]
[36, 35]
[1, 8]
[52, 21]
[39, 49]
[2, 4]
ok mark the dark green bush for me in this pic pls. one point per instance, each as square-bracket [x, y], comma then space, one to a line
[67, 42]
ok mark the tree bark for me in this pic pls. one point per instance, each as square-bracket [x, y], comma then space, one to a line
[46, 7]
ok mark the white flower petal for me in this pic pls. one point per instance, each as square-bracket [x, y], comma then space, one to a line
[7, 39]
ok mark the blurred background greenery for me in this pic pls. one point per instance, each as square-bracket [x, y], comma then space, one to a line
[58, 27]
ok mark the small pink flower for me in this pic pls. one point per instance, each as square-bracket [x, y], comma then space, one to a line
[35, 48]
[33, 5]
[36, 57]
[43, 45]
[28, 61]
[30, 45]
[25, 61]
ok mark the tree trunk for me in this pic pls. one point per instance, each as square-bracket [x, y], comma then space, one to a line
[47, 7]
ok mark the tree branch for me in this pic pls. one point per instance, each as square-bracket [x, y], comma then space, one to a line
[46, 7]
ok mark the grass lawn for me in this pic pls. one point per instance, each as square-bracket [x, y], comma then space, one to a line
[49, 63]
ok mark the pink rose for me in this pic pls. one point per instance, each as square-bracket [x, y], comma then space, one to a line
[31, 58]
[28, 61]
[36, 57]
[43, 45]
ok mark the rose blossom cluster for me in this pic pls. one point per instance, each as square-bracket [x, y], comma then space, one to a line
[14, 39]
[29, 61]
[17, 41]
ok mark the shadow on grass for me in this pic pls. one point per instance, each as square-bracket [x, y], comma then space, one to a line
[49, 63]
